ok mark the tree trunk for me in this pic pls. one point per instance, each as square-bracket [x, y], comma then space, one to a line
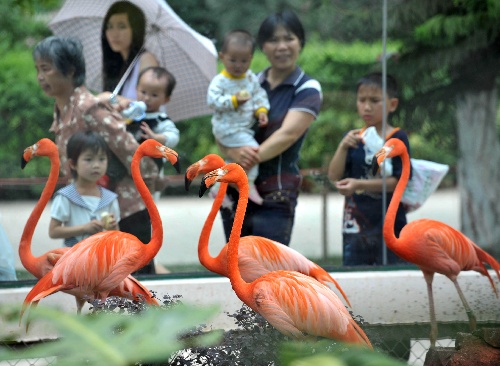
[479, 168]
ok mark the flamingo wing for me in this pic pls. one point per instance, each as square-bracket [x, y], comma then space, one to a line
[299, 306]
[132, 289]
[98, 264]
[258, 255]
[450, 250]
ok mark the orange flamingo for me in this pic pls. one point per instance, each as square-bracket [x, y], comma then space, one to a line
[39, 266]
[432, 245]
[256, 255]
[97, 265]
[295, 304]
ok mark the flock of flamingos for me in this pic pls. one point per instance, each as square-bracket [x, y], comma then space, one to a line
[282, 285]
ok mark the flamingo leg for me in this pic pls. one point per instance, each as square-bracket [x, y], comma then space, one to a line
[468, 310]
[432, 312]
[80, 303]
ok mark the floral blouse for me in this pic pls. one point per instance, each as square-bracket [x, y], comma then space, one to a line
[85, 112]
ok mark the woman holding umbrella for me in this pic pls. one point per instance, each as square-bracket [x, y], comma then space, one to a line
[295, 101]
[60, 67]
[122, 39]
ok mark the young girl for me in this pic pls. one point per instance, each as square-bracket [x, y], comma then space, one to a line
[84, 208]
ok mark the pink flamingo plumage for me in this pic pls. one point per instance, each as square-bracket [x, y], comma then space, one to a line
[256, 255]
[432, 245]
[41, 265]
[97, 265]
[295, 304]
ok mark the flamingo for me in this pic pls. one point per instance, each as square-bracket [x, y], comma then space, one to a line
[39, 266]
[432, 245]
[295, 304]
[97, 265]
[256, 255]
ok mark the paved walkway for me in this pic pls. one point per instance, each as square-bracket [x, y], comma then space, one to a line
[183, 218]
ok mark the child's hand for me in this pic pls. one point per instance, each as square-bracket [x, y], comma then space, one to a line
[263, 119]
[351, 139]
[242, 97]
[92, 227]
[147, 132]
[347, 186]
[108, 221]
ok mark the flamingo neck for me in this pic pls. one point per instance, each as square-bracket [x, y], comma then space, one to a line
[152, 248]
[203, 252]
[390, 217]
[27, 258]
[234, 239]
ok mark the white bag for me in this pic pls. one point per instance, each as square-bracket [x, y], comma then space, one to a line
[425, 179]
[426, 175]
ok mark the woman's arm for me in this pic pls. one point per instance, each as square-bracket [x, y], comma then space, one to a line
[148, 60]
[293, 127]
[120, 142]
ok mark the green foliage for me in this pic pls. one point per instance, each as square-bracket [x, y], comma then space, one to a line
[25, 113]
[108, 338]
[328, 354]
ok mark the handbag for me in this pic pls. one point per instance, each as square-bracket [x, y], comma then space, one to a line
[426, 175]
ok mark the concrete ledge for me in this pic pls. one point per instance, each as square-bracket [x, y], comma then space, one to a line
[389, 297]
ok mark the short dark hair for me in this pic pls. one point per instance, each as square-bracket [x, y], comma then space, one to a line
[375, 79]
[113, 66]
[65, 53]
[161, 72]
[241, 37]
[85, 140]
[285, 18]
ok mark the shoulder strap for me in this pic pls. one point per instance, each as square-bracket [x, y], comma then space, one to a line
[396, 129]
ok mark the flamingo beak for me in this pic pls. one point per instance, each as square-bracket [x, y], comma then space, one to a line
[177, 167]
[375, 165]
[24, 162]
[203, 187]
[191, 173]
[27, 155]
[187, 182]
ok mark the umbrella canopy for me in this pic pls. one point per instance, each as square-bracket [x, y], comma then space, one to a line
[189, 56]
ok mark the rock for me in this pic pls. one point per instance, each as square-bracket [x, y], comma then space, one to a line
[490, 336]
[439, 356]
[470, 350]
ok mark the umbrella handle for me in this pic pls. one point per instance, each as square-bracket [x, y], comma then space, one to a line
[112, 98]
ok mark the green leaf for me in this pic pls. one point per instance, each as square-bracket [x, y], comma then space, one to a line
[116, 339]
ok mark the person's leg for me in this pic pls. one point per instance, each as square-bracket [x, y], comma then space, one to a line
[273, 219]
[360, 249]
[227, 213]
[139, 225]
[253, 193]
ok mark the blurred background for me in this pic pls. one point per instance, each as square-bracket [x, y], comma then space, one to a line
[444, 53]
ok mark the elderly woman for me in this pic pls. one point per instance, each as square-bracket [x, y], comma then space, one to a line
[295, 99]
[60, 67]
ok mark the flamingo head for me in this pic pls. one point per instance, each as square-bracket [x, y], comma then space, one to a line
[202, 166]
[230, 173]
[44, 147]
[393, 147]
[154, 149]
